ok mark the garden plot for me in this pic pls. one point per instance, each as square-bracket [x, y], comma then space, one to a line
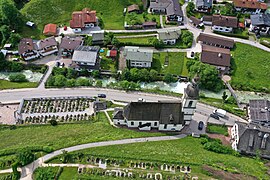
[61, 109]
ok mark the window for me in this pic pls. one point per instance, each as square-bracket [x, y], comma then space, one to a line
[132, 123]
[190, 103]
[165, 126]
[155, 124]
[140, 123]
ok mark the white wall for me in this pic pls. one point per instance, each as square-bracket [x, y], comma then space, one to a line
[169, 41]
[119, 122]
[222, 29]
[140, 64]
[170, 127]
[77, 30]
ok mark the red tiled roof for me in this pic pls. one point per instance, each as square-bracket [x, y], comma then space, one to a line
[241, 25]
[251, 4]
[50, 29]
[80, 18]
[113, 53]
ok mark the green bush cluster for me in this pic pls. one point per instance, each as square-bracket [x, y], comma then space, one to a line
[135, 75]
[17, 77]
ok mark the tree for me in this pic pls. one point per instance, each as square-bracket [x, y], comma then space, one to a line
[14, 66]
[88, 41]
[71, 73]
[98, 83]
[187, 38]
[50, 81]
[158, 43]
[115, 42]
[168, 78]
[82, 82]
[126, 75]
[60, 81]
[70, 83]
[224, 96]
[144, 75]
[96, 74]
[153, 75]
[25, 157]
[59, 71]
[134, 74]
[44, 174]
[14, 39]
[190, 8]
[17, 77]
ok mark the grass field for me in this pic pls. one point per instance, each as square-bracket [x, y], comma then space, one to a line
[4, 84]
[65, 135]
[187, 151]
[59, 11]
[250, 68]
[137, 40]
[175, 63]
[107, 63]
[217, 129]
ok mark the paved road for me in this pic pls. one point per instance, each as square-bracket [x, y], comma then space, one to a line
[27, 171]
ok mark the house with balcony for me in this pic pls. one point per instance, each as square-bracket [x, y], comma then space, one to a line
[27, 49]
[86, 57]
[69, 44]
[260, 24]
[138, 57]
[250, 6]
[224, 23]
[47, 46]
[203, 5]
[218, 57]
[170, 8]
[83, 19]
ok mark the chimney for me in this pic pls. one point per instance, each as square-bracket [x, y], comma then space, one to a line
[27, 43]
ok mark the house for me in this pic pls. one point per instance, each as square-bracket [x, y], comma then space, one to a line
[203, 5]
[133, 8]
[251, 139]
[83, 19]
[68, 44]
[250, 6]
[171, 8]
[98, 38]
[218, 57]
[86, 57]
[207, 20]
[112, 54]
[47, 46]
[160, 115]
[224, 23]
[196, 22]
[169, 36]
[260, 24]
[27, 49]
[259, 112]
[50, 30]
[138, 57]
[216, 41]
[149, 25]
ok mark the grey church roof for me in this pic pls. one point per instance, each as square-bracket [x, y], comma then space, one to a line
[164, 112]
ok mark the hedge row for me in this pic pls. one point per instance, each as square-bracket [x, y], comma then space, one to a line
[232, 35]
[7, 152]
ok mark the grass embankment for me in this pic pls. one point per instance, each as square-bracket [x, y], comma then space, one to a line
[188, 151]
[4, 84]
[59, 11]
[65, 135]
[172, 63]
[250, 68]
[146, 41]
[217, 129]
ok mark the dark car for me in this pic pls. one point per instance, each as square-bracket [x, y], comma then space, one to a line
[192, 54]
[200, 126]
[214, 116]
[102, 95]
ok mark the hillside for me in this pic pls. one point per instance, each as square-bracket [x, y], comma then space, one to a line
[59, 11]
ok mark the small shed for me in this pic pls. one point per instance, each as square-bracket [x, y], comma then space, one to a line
[133, 8]
[7, 46]
[30, 24]
[50, 30]
[111, 53]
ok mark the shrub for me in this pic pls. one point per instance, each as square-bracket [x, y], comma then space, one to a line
[18, 77]
[25, 157]
[53, 122]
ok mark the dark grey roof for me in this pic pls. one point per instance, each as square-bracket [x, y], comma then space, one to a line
[71, 42]
[259, 110]
[169, 34]
[254, 138]
[192, 90]
[98, 36]
[100, 105]
[46, 43]
[260, 19]
[216, 40]
[172, 7]
[206, 3]
[118, 114]
[86, 54]
[164, 112]
[134, 53]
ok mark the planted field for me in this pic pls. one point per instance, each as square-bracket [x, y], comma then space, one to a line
[172, 63]
[187, 151]
[65, 135]
[250, 68]
[59, 11]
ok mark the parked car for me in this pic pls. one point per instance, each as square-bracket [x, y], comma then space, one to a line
[214, 116]
[102, 95]
[220, 112]
[200, 126]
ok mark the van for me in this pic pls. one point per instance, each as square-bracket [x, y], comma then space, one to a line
[220, 112]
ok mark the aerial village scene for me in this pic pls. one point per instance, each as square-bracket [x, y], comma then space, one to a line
[134, 89]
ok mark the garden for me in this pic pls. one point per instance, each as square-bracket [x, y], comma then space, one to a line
[217, 129]
[133, 18]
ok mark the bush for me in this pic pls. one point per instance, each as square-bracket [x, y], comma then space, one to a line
[168, 78]
[18, 77]
[53, 122]
[25, 157]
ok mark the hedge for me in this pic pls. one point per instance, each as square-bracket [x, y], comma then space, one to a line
[46, 149]
[232, 35]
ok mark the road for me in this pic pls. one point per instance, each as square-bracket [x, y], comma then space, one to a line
[27, 171]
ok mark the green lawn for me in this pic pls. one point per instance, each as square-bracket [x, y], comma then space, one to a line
[135, 33]
[139, 17]
[251, 68]
[137, 40]
[175, 63]
[65, 135]
[107, 63]
[59, 11]
[188, 151]
[14, 85]
[217, 129]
